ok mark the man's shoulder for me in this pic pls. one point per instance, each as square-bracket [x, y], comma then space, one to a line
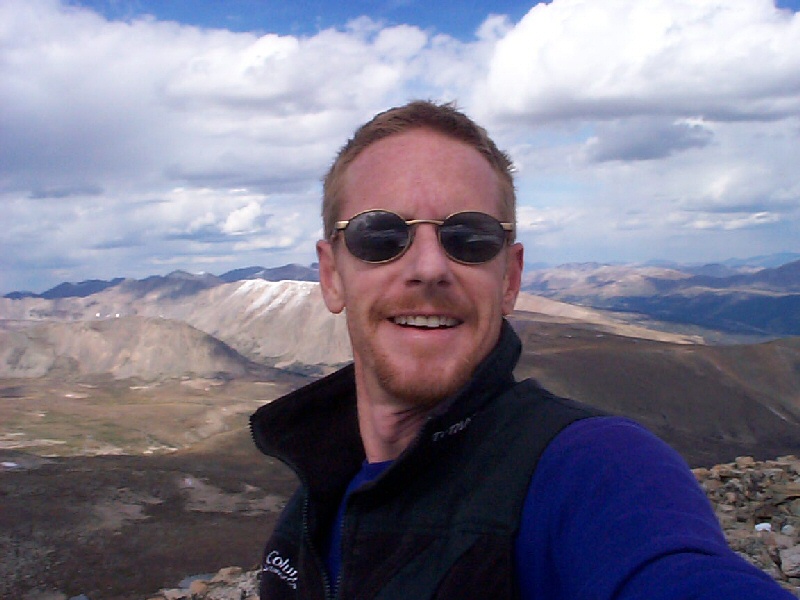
[528, 417]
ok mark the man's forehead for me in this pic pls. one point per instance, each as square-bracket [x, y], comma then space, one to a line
[421, 154]
[421, 173]
[418, 140]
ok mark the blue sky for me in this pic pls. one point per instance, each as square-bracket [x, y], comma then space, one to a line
[303, 17]
[139, 137]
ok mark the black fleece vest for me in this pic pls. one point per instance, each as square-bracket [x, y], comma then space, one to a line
[441, 521]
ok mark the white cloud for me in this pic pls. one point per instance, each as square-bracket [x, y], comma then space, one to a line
[581, 59]
[534, 220]
[726, 221]
[640, 129]
[243, 220]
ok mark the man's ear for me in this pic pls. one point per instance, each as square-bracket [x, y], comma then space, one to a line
[330, 282]
[512, 280]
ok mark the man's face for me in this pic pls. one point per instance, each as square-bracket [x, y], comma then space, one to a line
[419, 174]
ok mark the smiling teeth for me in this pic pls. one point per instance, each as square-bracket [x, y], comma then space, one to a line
[431, 322]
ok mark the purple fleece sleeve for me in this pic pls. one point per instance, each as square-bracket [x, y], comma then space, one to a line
[613, 512]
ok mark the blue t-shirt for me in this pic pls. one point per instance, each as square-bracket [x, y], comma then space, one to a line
[612, 512]
[333, 559]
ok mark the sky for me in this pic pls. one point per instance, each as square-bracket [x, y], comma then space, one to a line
[138, 137]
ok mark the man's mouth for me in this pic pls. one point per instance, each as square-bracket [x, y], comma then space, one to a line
[425, 321]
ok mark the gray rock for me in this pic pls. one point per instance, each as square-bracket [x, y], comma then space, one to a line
[790, 561]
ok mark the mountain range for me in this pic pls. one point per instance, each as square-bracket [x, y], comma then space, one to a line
[124, 403]
[746, 301]
[710, 401]
[180, 281]
[741, 298]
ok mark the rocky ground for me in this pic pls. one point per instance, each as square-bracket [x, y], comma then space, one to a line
[758, 504]
[136, 528]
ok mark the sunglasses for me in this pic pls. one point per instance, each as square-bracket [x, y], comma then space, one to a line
[380, 236]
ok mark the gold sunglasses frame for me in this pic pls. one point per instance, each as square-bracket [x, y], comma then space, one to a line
[340, 226]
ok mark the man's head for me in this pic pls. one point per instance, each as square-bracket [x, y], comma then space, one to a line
[442, 118]
[420, 321]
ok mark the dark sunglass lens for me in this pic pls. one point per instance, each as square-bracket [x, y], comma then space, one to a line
[376, 236]
[472, 237]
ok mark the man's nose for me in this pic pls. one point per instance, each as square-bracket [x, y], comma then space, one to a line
[426, 259]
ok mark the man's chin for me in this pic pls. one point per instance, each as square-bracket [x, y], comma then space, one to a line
[424, 386]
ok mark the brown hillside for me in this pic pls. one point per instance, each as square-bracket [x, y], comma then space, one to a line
[711, 403]
[281, 324]
[125, 347]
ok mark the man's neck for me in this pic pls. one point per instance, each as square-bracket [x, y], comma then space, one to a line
[387, 424]
[387, 430]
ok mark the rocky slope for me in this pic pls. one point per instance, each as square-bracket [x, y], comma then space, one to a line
[757, 503]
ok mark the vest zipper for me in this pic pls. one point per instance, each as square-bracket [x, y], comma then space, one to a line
[306, 529]
[326, 584]
[342, 530]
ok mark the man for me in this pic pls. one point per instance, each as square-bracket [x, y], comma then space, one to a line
[426, 471]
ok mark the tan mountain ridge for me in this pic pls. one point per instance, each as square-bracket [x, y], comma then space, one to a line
[125, 347]
[275, 323]
[282, 324]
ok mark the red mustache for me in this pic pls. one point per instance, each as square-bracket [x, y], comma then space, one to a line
[441, 306]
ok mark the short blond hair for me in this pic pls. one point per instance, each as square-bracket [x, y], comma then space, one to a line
[419, 114]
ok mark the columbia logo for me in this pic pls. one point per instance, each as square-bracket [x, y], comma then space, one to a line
[282, 567]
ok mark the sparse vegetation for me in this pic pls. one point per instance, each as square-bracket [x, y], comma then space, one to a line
[107, 416]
